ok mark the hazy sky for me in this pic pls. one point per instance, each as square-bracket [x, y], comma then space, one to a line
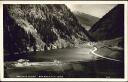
[97, 10]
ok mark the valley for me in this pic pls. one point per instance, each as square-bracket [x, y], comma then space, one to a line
[49, 40]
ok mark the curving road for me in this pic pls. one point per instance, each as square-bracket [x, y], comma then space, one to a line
[95, 49]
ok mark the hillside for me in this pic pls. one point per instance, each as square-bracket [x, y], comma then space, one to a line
[111, 26]
[108, 33]
[86, 20]
[40, 27]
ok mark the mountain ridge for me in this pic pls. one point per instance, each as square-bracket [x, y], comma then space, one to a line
[40, 27]
[86, 19]
[110, 26]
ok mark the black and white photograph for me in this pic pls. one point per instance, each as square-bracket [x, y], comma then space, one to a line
[64, 41]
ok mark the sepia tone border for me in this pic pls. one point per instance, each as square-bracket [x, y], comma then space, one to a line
[64, 0]
[63, 79]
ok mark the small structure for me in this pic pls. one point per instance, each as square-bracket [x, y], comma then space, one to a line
[56, 61]
[22, 63]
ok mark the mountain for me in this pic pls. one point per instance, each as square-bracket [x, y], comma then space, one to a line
[86, 20]
[111, 26]
[40, 27]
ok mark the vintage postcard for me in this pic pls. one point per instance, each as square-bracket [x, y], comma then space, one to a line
[63, 41]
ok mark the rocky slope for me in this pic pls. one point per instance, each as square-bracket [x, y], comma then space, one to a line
[86, 20]
[111, 26]
[40, 27]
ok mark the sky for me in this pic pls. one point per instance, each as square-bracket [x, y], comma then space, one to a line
[97, 10]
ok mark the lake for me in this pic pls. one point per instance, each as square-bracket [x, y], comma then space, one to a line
[62, 63]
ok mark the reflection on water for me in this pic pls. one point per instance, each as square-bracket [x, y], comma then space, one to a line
[66, 63]
[73, 69]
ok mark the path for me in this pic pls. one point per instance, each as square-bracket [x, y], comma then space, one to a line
[95, 49]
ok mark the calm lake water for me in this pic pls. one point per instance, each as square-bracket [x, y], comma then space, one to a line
[63, 63]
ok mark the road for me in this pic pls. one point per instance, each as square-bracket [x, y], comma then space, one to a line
[95, 49]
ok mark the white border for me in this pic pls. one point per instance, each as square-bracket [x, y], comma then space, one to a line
[63, 2]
